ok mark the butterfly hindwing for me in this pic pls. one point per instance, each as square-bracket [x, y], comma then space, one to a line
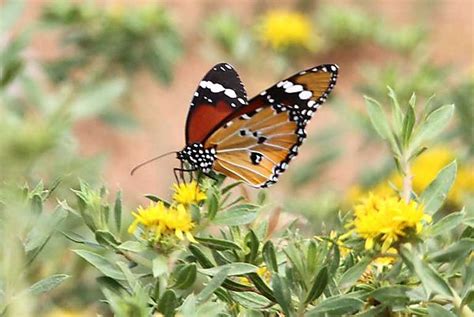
[219, 94]
[257, 141]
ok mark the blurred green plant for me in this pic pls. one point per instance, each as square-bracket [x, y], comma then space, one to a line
[27, 224]
[118, 40]
[345, 26]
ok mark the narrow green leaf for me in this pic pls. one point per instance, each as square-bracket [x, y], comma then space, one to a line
[189, 307]
[433, 125]
[236, 268]
[458, 249]
[435, 194]
[218, 244]
[408, 124]
[132, 246]
[336, 305]
[396, 110]
[118, 211]
[43, 229]
[47, 284]
[436, 310]
[391, 295]
[261, 286]
[237, 215]
[378, 118]
[101, 263]
[318, 286]
[269, 256]
[252, 243]
[354, 273]
[77, 238]
[106, 238]
[200, 256]
[186, 276]
[213, 284]
[431, 280]
[447, 223]
[282, 293]
[168, 303]
[251, 300]
[212, 205]
[156, 199]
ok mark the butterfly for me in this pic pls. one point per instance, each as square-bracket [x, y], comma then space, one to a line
[252, 140]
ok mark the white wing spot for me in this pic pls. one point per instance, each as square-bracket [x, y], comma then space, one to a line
[305, 94]
[295, 88]
[230, 93]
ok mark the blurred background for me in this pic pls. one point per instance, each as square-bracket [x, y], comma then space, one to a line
[91, 88]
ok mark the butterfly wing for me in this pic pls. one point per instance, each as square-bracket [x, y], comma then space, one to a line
[256, 142]
[219, 94]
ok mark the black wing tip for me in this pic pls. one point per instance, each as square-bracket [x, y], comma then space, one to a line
[223, 66]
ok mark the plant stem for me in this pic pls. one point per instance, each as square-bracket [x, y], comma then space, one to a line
[407, 179]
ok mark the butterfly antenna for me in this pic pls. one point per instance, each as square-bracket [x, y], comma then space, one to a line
[149, 161]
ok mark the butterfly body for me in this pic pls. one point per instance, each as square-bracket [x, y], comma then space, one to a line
[252, 140]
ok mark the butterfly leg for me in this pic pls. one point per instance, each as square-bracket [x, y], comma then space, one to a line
[179, 174]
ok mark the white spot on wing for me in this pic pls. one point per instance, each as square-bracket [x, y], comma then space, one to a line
[305, 94]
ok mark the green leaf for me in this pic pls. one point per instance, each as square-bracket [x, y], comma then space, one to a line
[77, 238]
[261, 286]
[219, 278]
[212, 205]
[447, 223]
[457, 250]
[189, 307]
[431, 280]
[391, 295]
[156, 199]
[106, 238]
[159, 266]
[282, 293]
[318, 286]
[337, 305]
[408, 124]
[251, 300]
[118, 211]
[200, 256]
[236, 268]
[269, 256]
[252, 243]
[237, 215]
[168, 303]
[218, 244]
[433, 125]
[378, 118]
[44, 228]
[186, 276]
[47, 284]
[101, 263]
[396, 111]
[435, 310]
[132, 246]
[354, 273]
[435, 194]
[468, 298]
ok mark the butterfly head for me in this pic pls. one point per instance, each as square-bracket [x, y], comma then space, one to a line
[198, 157]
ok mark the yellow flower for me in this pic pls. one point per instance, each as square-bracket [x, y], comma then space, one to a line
[158, 220]
[386, 219]
[285, 29]
[188, 193]
[388, 259]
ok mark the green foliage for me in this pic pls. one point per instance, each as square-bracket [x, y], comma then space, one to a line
[113, 41]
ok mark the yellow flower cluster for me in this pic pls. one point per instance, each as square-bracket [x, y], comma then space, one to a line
[158, 220]
[285, 29]
[424, 170]
[386, 219]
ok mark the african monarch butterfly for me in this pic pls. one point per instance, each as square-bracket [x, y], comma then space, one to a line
[251, 140]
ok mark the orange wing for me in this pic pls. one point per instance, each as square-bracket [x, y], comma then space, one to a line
[257, 142]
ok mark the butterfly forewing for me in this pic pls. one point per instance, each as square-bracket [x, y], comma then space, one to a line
[256, 142]
[219, 94]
